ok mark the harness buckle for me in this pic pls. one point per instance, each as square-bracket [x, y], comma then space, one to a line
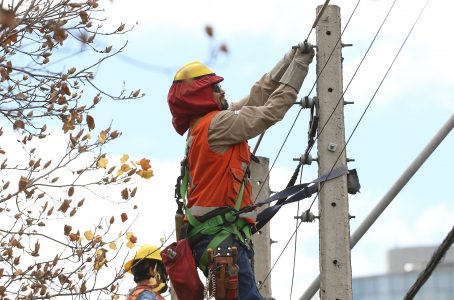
[230, 217]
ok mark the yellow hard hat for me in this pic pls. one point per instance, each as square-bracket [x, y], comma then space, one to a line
[147, 252]
[192, 70]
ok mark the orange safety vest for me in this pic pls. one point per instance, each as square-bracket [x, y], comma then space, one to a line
[215, 178]
[141, 288]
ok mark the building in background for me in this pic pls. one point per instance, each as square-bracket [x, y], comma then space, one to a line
[404, 267]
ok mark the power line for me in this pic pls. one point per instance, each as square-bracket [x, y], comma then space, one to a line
[316, 283]
[296, 118]
[379, 86]
[310, 31]
[348, 85]
[310, 144]
[381, 82]
[427, 272]
[282, 252]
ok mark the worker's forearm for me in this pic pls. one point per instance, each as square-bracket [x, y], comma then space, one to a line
[259, 94]
[228, 127]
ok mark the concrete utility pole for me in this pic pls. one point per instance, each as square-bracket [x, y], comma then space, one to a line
[261, 240]
[335, 265]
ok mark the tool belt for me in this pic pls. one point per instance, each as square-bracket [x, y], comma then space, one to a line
[223, 272]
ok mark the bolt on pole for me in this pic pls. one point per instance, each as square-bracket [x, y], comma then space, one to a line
[335, 262]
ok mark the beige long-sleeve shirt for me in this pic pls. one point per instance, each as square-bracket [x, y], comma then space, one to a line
[266, 104]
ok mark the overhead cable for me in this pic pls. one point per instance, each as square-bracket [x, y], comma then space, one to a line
[310, 31]
[390, 195]
[381, 82]
[427, 272]
[310, 145]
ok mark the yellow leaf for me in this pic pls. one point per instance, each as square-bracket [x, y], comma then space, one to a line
[88, 235]
[124, 158]
[102, 137]
[100, 259]
[113, 246]
[130, 245]
[125, 167]
[102, 162]
[86, 137]
[129, 234]
[147, 174]
[119, 173]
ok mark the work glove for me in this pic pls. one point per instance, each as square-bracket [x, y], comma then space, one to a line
[280, 68]
[297, 70]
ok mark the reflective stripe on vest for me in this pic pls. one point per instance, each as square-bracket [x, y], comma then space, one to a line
[198, 211]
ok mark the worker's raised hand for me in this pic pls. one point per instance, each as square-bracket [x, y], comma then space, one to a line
[297, 70]
[304, 53]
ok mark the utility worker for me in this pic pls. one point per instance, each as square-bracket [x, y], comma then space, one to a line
[149, 274]
[218, 154]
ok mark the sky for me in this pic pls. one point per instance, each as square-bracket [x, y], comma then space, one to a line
[414, 101]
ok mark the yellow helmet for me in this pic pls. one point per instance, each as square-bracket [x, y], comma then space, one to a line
[147, 252]
[192, 70]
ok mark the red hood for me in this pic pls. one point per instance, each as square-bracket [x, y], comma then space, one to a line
[190, 99]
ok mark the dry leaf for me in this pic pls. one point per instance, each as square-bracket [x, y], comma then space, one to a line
[74, 237]
[121, 27]
[209, 30]
[136, 93]
[124, 217]
[67, 229]
[84, 17]
[133, 192]
[145, 163]
[224, 48]
[90, 122]
[19, 124]
[64, 206]
[125, 194]
[23, 181]
[7, 18]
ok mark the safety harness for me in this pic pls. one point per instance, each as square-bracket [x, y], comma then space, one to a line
[225, 222]
[221, 223]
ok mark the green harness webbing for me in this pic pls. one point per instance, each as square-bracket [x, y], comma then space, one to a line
[221, 226]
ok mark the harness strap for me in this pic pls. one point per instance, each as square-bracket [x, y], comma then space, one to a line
[221, 226]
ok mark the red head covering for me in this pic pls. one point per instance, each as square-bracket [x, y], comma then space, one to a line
[191, 98]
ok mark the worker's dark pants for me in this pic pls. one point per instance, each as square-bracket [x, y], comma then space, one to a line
[246, 278]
